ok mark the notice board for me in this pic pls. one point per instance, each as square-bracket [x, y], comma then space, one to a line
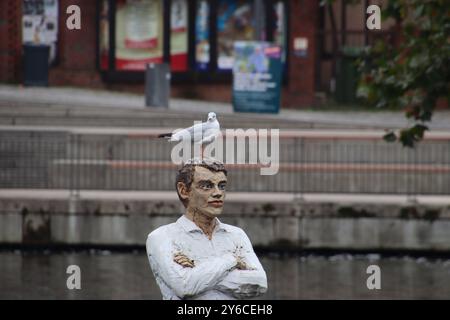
[256, 77]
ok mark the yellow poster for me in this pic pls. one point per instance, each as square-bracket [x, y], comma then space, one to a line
[139, 33]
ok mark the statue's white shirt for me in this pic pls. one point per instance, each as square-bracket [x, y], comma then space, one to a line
[214, 275]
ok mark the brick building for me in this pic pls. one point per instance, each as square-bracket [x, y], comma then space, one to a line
[119, 37]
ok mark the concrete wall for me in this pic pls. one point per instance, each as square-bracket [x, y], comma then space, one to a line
[270, 220]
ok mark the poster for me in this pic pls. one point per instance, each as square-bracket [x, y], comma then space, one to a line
[179, 35]
[280, 28]
[32, 21]
[141, 24]
[40, 23]
[30, 33]
[256, 77]
[234, 22]
[202, 35]
[139, 33]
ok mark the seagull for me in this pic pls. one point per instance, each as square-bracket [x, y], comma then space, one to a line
[201, 133]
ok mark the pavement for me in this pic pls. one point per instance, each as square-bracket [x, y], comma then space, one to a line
[13, 95]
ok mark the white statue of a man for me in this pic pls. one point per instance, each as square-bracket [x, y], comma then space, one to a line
[199, 257]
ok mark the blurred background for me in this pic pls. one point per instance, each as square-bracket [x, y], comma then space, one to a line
[83, 178]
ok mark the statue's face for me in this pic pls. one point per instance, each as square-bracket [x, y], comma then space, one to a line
[207, 192]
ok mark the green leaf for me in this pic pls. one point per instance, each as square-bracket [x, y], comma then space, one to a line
[414, 74]
[418, 130]
[407, 138]
[419, 11]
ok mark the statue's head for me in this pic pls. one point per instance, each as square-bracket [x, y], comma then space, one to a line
[201, 185]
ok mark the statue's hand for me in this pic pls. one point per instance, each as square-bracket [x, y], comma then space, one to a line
[241, 265]
[183, 260]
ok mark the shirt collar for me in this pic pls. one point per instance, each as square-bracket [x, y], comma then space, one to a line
[189, 226]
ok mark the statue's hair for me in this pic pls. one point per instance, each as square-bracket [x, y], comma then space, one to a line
[186, 173]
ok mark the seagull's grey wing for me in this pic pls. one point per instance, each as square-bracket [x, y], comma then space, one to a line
[178, 135]
[194, 132]
[207, 126]
[196, 128]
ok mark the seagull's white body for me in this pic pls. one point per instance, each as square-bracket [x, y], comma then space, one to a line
[201, 133]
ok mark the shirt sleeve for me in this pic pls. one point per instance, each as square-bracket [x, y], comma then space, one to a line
[244, 284]
[186, 282]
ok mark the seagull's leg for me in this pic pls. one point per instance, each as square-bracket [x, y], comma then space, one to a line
[202, 150]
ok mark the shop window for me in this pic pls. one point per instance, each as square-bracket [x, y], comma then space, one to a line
[197, 37]
[139, 33]
[234, 22]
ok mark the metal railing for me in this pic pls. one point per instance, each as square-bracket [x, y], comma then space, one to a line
[310, 162]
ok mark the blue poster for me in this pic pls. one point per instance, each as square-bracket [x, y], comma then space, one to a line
[202, 36]
[256, 77]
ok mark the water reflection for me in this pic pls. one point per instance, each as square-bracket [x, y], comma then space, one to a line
[106, 275]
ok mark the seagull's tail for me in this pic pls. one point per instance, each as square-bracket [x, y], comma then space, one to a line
[165, 135]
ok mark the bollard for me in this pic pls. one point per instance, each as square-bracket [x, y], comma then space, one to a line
[157, 85]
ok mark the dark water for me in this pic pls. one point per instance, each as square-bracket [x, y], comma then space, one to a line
[106, 275]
